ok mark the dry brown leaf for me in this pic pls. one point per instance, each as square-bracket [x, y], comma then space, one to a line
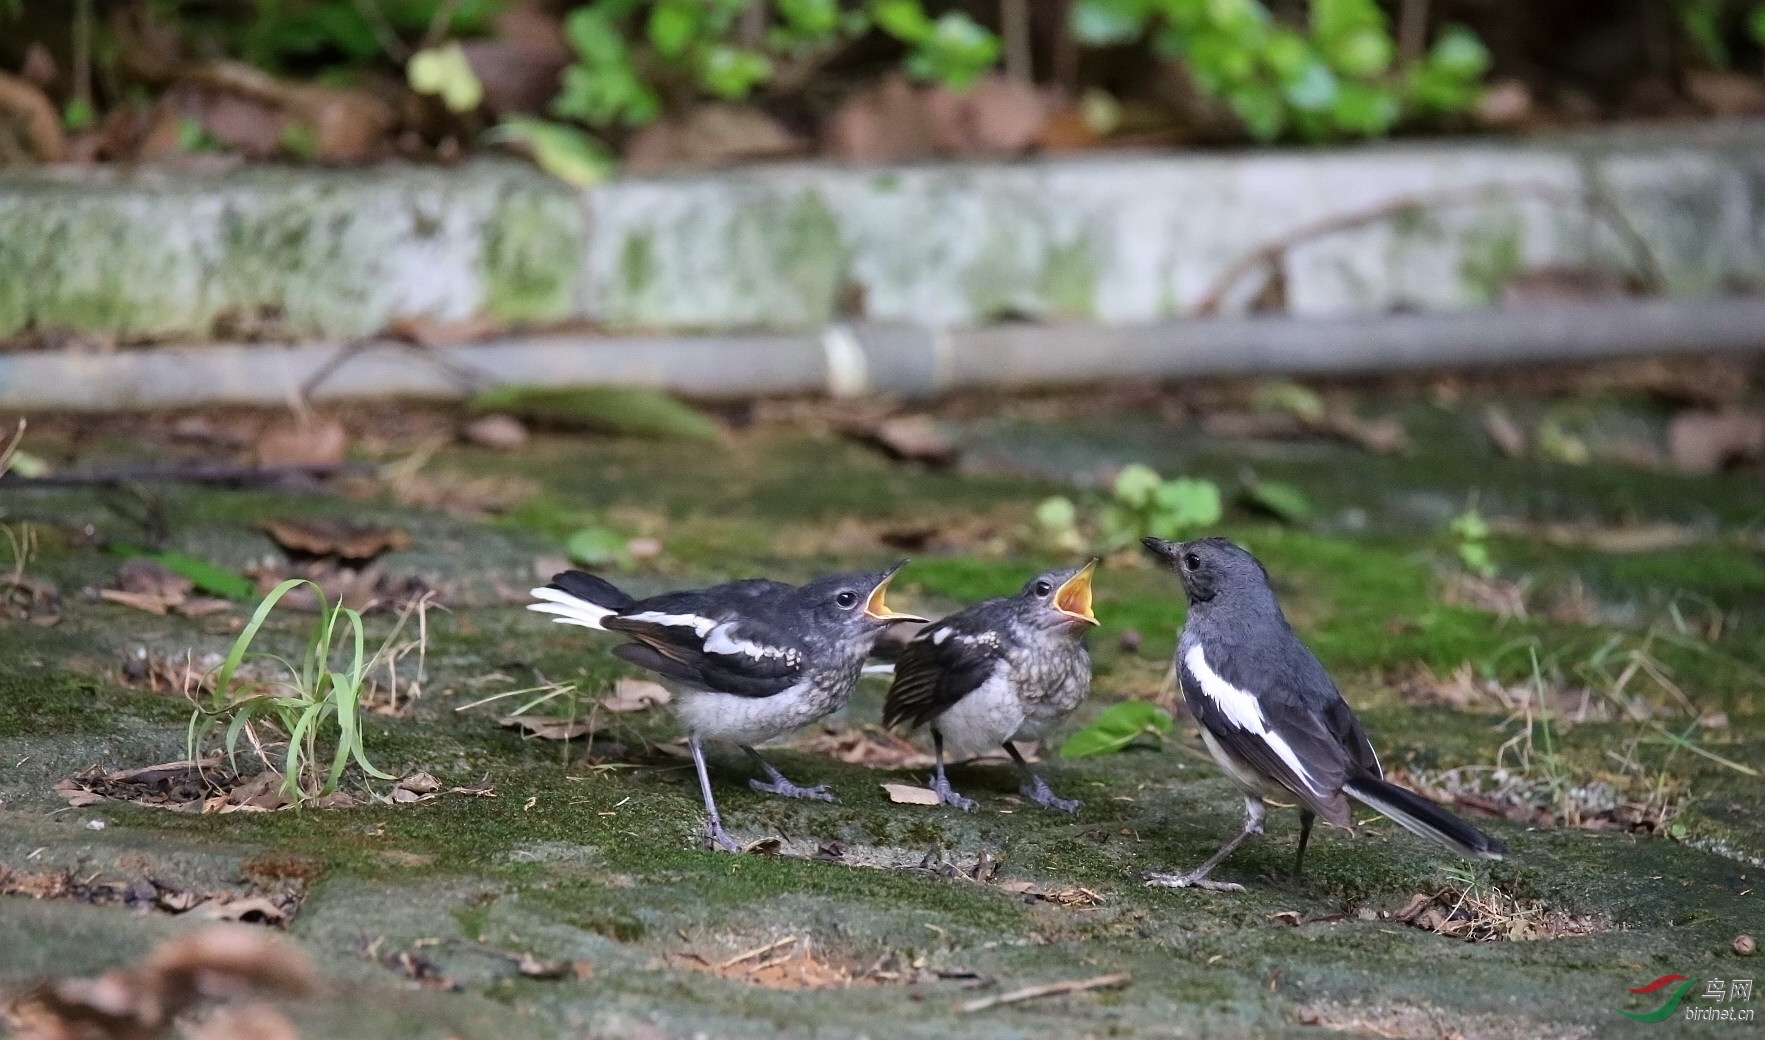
[711, 134]
[916, 438]
[520, 64]
[496, 431]
[870, 746]
[248, 908]
[1704, 441]
[636, 695]
[139, 600]
[140, 1001]
[24, 105]
[995, 115]
[150, 577]
[887, 122]
[908, 794]
[292, 443]
[422, 783]
[1504, 432]
[336, 536]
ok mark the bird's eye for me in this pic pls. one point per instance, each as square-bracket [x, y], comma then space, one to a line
[1192, 561]
[1043, 588]
[847, 599]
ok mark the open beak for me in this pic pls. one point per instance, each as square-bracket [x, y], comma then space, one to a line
[1073, 598]
[878, 606]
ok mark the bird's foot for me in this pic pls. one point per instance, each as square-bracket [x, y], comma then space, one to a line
[720, 837]
[1038, 791]
[1191, 880]
[785, 789]
[948, 796]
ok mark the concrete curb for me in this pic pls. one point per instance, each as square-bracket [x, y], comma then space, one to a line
[1118, 240]
[905, 361]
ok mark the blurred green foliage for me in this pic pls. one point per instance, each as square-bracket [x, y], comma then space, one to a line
[1337, 76]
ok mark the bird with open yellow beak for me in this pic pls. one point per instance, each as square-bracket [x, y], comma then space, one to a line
[753, 659]
[1003, 670]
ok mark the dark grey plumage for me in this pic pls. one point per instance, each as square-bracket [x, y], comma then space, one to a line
[1002, 670]
[1271, 715]
[755, 659]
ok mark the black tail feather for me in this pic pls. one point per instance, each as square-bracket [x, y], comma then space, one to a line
[592, 588]
[1421, 816]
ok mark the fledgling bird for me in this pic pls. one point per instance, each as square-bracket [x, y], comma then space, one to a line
[1002, 670]
[755, 658]
[1273, 718]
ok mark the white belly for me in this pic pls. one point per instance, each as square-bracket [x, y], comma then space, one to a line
[752, 720]
[985, 718]
[1248, 779]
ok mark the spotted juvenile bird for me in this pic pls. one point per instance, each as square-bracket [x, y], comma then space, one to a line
[755, 659]
[1273, 718]
[1002, 670]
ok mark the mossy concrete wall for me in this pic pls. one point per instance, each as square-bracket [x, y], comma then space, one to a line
[1116, 239]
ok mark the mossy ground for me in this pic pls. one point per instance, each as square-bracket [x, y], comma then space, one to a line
[597, 859]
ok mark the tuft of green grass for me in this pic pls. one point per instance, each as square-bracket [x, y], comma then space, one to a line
[324, 693]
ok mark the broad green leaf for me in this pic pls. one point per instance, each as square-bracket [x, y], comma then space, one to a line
[905, 20]
[26, 465]
[1362, 54]
[673, 25]
[1459, 53]
[733, 72]
[596, 547]
[562, 151]
[1116, 727]
[1283, 500]
[79, 114]
[1366, 109]
[811, 18]
[444, 72]
[1288, 398]
[1108, 23]
[1057, 514]
[1136, 484]
[1470, 526]
[209, 578]
[1756, 22]
[1260, 107]
[1183, 505]
[1314, 90]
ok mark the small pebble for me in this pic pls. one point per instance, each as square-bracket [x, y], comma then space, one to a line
[98, 825]
[1744, 945]
[502, 432]
[1130, 640]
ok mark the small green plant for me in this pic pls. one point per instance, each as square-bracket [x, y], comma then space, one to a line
[1140, 503]
[1471, 541]
[316, 703]
[1118, 726]
[1338, 75]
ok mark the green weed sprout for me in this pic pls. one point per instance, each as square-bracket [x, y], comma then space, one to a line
[311, 699]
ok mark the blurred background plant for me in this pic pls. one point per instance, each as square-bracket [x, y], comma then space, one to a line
[584, 86]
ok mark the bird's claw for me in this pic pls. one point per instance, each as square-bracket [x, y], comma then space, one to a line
[720, 837]
[948, 796]
[1039, 792]
[785, 789]
[1191, 881]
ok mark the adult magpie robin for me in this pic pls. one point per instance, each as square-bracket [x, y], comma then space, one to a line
[755, 658]
[1002, 670]
[1273, 718]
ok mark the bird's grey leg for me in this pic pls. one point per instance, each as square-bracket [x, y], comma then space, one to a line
[1306, 819]
[941, 783]
[713, 822]
[1036, 789]
[1254, 814]
[775, 782]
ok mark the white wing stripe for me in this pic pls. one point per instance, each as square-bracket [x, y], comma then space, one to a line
[1243, 710]
[699, 625]
[723, 640]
